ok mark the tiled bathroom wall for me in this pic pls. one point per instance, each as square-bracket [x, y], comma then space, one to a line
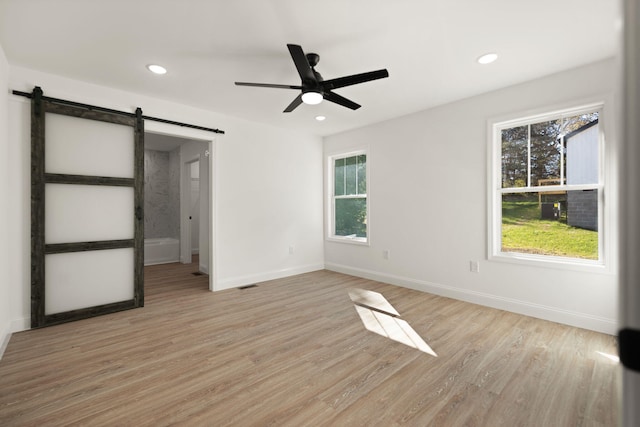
[161, 194]
[174, 193]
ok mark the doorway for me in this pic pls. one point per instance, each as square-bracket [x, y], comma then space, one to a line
[186, 207]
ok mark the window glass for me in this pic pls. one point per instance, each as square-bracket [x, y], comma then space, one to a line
[350, 197]
[562, 224]
[339, 167]
[562, 221]
[362, 174]
[546, 150]
[515, 148]
[582, 155]
[351, 175]
[351, 215]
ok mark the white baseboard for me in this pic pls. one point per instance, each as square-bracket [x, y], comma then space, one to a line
[162, 261]
[9, 328]
[554, 314]
[203, 268]
[234, 282]
[5, 336]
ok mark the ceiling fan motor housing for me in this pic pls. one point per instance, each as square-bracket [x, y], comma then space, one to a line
[313, 59]
[313, 87]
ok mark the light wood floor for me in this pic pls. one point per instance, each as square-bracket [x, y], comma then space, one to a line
[294, 352]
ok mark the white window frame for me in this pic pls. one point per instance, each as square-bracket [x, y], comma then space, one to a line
[496, 191]
[331, 228]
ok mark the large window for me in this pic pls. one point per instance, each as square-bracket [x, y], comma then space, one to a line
[349, 197]
[548, 187]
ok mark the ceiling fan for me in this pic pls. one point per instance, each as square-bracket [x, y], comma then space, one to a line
[313, 87]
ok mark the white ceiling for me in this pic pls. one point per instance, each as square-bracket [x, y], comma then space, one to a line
[428, 46]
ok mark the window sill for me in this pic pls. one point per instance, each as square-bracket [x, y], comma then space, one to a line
[546, 261]
[361, 241]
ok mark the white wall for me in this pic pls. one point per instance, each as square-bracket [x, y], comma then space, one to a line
[428, 198]
[267, 186]
[5, 318]
[272, 193]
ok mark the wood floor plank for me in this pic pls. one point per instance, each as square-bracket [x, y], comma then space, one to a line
[294, 352]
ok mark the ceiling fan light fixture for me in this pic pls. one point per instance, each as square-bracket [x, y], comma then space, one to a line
[320, 118]
[314, 88]
[487, 58]
[312, 98]
[156, 69]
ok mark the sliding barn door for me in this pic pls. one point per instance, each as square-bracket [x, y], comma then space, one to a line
[86, 211]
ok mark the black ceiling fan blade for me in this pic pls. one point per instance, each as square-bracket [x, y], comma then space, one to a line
[354, 79]
[268, 85]
[341, 100]
[293, 104]
[302, 64]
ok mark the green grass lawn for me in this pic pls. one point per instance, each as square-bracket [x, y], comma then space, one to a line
[523, 231]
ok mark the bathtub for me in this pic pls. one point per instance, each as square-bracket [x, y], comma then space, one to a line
[161, 250]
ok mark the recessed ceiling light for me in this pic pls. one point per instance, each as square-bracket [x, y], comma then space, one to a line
[487, 58]
[157, 69]
[320, 118]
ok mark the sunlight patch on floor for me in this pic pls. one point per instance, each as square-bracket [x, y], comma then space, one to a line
[611, 357]
[380, 317]
[373, 300]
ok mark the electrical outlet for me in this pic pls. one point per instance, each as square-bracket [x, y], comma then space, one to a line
[474, 266]
[292, 249]
[386, 254]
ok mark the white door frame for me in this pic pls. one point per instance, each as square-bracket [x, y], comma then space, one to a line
[207, 138]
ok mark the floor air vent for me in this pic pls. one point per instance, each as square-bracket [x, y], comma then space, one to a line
[247, 287]
[197, 273]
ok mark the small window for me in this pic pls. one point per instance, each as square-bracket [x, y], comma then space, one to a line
[349, 197]
[548, 186]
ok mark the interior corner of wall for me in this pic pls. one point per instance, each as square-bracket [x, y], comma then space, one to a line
[5, 336]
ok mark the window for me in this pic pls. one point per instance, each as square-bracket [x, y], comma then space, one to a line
[349, 197]
[548, 188]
